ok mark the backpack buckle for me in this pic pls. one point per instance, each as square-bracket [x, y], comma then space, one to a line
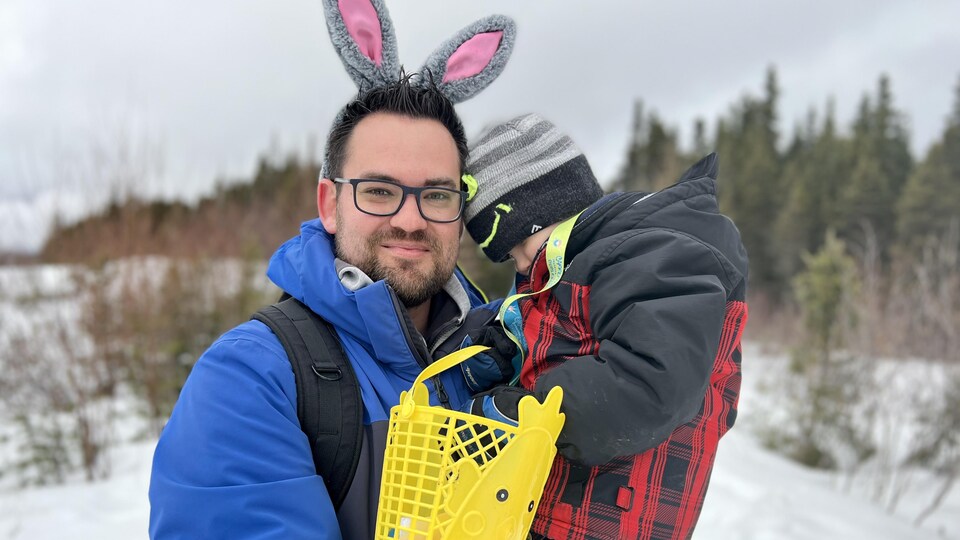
[327, 372]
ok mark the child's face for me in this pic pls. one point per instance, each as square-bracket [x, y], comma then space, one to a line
[524, 252]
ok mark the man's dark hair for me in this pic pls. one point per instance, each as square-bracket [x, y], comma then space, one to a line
[405, 98]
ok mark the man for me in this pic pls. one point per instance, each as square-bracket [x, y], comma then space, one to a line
[233, 461]
[379, 265]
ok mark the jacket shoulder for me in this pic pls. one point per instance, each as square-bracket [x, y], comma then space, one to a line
[237, 407]
[251, 345]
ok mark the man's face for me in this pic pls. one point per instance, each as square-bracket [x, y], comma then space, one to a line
[414, 255]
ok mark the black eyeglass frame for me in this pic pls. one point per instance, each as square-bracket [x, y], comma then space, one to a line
[406, 190]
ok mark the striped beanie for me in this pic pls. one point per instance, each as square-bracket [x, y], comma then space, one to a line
[528, 175]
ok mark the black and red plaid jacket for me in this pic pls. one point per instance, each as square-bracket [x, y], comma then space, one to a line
[643, 334]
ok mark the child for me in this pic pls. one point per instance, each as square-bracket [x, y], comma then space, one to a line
[642, 329]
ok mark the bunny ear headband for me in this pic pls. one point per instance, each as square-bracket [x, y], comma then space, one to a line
[363, 36]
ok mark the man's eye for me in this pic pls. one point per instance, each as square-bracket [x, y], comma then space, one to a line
[378, 192]
[438, 196]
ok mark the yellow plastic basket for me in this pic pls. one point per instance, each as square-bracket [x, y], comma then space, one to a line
[451, 475]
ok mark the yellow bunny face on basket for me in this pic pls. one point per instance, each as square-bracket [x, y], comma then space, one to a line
[501, 501]
[449, 475]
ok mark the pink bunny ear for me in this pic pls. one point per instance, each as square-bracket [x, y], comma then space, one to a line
[466, 63]
[473, 56]
[363, 36]
[360, 18]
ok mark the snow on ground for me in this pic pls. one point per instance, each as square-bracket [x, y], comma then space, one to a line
[755, 494]
[116, 509]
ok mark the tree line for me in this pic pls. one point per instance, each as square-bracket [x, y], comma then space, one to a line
[785, 192]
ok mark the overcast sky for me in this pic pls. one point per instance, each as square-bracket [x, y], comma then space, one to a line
[178, 93]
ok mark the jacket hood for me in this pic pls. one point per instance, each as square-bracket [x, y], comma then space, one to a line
[690, 206]
[302, 268]
[306, 268]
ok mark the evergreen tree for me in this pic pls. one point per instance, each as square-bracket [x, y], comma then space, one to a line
[882, 166]
[700, 145]
[828, 380]
[824, 291]
[631, 177]
[652, 158]
[750, 180]
[931, 199]
[798, 225]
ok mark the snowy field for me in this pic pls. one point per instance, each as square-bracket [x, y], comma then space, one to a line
[755, 494]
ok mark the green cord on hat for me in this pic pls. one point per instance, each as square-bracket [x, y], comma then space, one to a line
[471, 183]
[496, 222]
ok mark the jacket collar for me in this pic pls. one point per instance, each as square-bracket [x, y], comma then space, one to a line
[306, 268]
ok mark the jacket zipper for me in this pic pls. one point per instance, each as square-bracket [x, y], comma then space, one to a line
[421, 361]
[446, 331]
[441, 336]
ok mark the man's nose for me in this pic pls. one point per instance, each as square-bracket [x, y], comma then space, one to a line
[408, 217]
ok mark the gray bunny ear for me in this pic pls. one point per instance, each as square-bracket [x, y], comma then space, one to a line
[471, 59]
[363, 35]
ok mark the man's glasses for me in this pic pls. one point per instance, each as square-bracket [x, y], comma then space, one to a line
[383, 198]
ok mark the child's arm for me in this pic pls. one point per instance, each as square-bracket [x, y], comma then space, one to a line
[656, 305]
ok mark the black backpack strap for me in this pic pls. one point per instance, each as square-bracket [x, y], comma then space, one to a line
[329, 405]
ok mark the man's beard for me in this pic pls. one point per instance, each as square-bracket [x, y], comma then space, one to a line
[413, 286]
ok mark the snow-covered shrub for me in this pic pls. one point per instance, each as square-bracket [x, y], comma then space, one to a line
[827, 381]
[70, 342]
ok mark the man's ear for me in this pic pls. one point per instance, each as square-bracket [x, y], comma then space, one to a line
[327, 204]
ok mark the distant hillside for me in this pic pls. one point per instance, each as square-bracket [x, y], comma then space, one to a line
[246, 218]
[249, 218]
[9, 258]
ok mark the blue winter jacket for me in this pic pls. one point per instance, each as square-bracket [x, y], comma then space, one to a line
[232, 462]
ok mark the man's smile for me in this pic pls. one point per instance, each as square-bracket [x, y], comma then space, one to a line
[406, 250]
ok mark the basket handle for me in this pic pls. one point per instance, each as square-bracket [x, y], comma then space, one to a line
[446, 363]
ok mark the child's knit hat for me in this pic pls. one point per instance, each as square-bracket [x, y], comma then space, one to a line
[529, 175]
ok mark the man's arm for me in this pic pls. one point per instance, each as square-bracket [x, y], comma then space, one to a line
[232, 461]
[657, 302]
